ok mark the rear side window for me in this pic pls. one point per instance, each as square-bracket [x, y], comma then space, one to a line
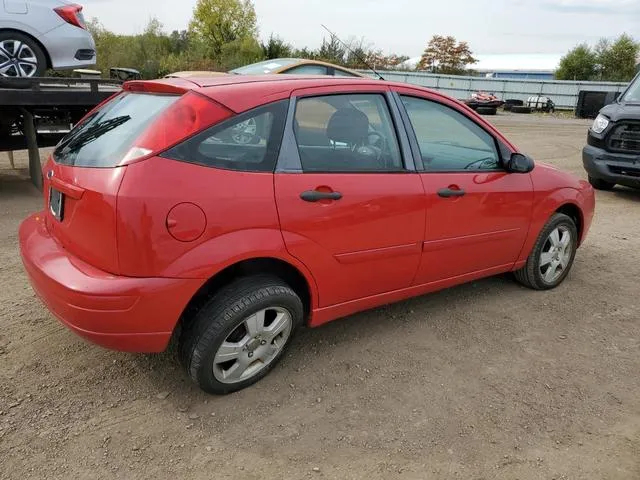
[346, 133]
[247, 142]
[105, 137]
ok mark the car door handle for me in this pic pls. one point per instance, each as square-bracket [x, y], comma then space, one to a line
[316, 196]
[450, 192]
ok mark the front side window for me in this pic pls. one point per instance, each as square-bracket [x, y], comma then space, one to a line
[346, 133]
[247, 142]
[448, 140]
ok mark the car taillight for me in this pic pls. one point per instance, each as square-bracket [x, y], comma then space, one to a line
[71, 14]
[189, 115]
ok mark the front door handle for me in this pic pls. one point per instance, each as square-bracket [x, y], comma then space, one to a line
[450, 192]
[316, 196]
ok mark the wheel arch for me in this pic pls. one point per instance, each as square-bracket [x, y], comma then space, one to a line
[278, 267]
[574, 212]
[35, 40]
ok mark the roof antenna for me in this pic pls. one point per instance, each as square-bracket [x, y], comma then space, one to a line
[364, 62]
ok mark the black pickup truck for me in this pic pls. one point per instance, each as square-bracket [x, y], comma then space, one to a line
[38, 112]
[612, 154]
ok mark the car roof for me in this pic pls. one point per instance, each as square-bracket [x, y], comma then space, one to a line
[243, 92]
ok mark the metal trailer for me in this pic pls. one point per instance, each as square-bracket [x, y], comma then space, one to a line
[38, 112]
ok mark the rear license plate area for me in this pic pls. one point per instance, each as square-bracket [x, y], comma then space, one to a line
[56, 203]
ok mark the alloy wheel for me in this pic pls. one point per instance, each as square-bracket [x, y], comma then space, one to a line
[556, 254]
[252, 345]
[17, 59]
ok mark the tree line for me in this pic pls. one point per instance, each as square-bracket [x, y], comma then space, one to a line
[611, 61]
[223, 34]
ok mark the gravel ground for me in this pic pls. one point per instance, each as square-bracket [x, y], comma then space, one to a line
[484, 381]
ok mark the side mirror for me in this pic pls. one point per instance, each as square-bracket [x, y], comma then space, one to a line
[519, 163]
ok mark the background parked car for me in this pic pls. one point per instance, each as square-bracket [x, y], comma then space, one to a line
[40, 34]
[292, 66]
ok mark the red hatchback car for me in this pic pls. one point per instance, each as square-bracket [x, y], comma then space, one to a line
[229, 211]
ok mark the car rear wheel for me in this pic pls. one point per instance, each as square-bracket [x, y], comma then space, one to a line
[552, 255]
[20, 56]
[240, 334]
[600, 184]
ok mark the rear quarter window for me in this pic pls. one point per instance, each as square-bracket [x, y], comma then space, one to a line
[248, 142]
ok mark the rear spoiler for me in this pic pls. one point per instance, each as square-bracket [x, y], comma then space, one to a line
[177, 86]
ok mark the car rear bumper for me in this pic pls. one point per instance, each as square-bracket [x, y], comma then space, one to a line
[64, 43]
[616, 168]
[121, 313]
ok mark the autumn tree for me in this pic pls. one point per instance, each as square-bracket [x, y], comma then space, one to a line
[222, 22]
[446, 55]
[581, 63]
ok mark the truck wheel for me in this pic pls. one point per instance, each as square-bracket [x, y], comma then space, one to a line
[20, 56]
[600, 184]
[239, 335]
[487, 110]
[552, 255]
[521, 109]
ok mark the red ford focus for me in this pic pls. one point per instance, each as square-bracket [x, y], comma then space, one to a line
[230, 211]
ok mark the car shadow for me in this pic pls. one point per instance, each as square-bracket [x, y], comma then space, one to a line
[627, 193]
[325, 342]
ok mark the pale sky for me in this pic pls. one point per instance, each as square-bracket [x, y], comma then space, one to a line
[405, 26]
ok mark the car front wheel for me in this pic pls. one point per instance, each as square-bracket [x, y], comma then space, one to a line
[239, 335]
[552, 255]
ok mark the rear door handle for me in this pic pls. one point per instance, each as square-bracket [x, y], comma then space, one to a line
[316, 196]
[450, 192]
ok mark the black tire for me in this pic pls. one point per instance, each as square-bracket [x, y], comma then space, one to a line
[221, 316]
[513, 101]
[35, 47]
[507, 107]
[487, 110]
[530, 275]
[520, 109]
[600, 184]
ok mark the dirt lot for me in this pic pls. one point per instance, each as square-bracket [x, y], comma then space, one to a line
[484, 381]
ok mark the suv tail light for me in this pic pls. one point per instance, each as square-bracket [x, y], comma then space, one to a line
[189, 115]
[72, 14]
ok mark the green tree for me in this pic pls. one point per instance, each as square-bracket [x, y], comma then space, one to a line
[618, 60]
[275, 47]
[331, 51]
[579, 63]
[220, 22]
[237, 53]
[446, 55]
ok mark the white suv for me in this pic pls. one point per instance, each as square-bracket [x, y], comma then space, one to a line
[40, 34]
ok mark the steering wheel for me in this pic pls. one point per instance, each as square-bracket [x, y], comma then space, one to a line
[245, 133]
[379, 142]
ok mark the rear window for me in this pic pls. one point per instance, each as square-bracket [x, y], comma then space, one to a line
[105, 137]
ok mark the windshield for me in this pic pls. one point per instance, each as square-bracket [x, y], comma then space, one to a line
[632, 95]
[268, 66]
[103, 139]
